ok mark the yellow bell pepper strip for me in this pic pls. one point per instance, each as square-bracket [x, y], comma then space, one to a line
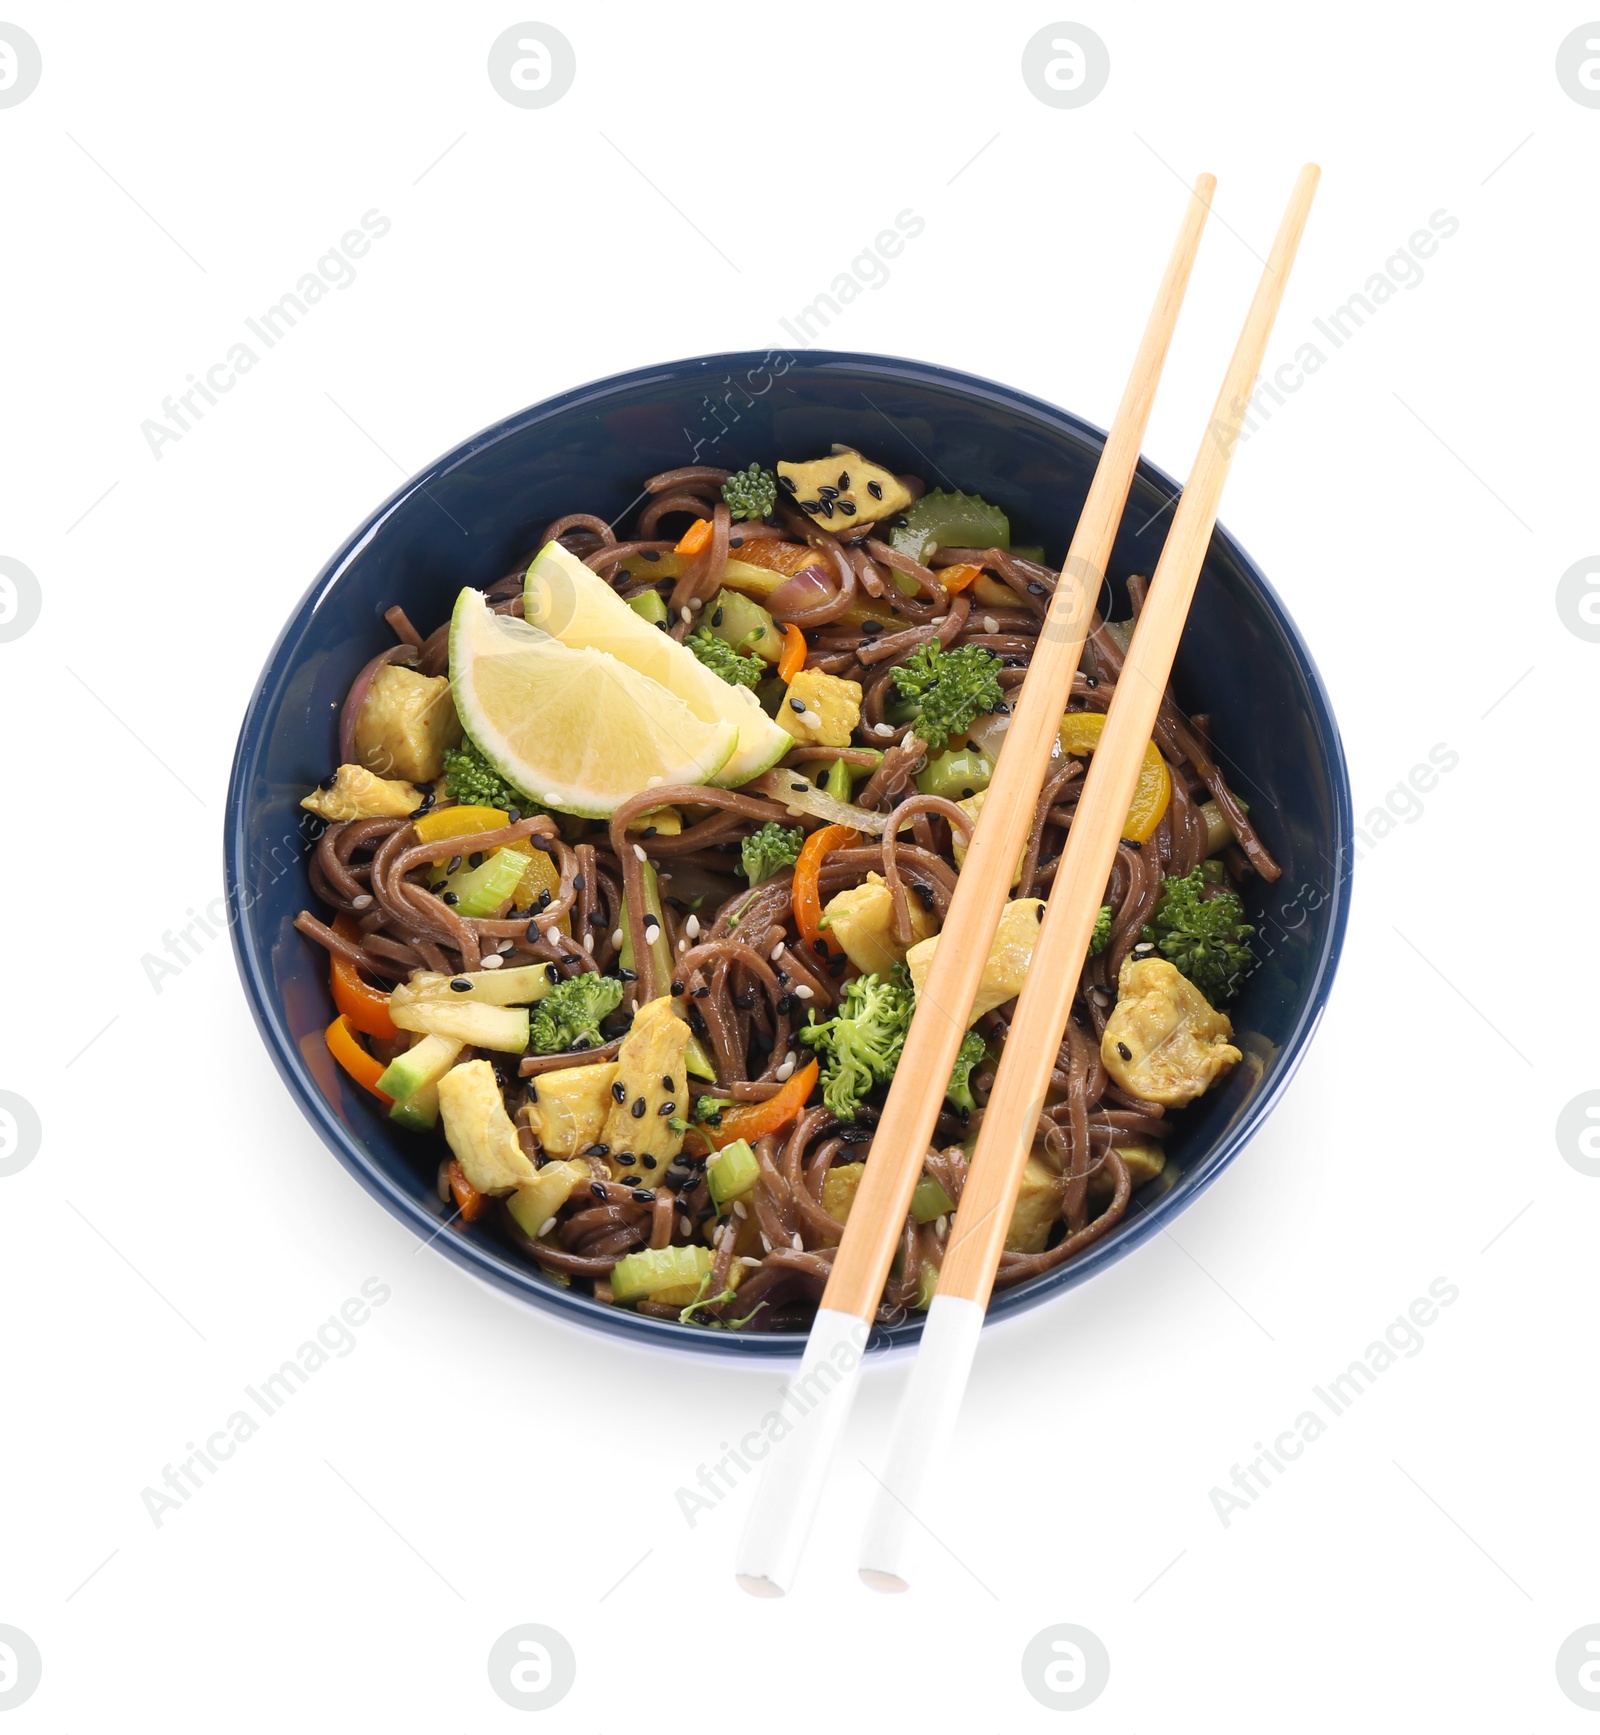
[366, 1007]
[444, 823]
[695, 538]
[958, 577]
[349, 1053]
[469, 1201]
[754, 1120]
[807, 898]
[1080, 733]
[793, 658]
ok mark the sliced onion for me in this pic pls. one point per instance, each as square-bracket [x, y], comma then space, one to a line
[801, 796]
[808, 589]
[989, 731]
[357, 697]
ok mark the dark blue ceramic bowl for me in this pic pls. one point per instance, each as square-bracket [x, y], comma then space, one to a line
[470, 515]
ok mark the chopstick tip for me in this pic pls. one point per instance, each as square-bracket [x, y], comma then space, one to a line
[1205, 185]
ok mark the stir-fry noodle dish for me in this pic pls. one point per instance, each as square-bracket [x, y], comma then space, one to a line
[633, 869]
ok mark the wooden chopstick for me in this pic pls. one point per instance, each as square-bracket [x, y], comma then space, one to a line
[1005, 1138]
[785, 1499]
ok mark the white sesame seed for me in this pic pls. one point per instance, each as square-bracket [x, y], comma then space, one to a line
[685, 1227]
[990, 625]
[692, 927]
[492, 962]
[546, 1226]
[505, 946]
[551, 798]
[766, 1243]
[777, 952]
[696, 603]
[802, 992]
[552, 936]
[687, 614]
[810, 720]
[653, 780]
[784, 1072]
[588, 942]
[941, 1226]
[616, 938]
[750, 1260]
[361, 900]
[652, 934]
[683, 946]
[740, 1209]
[638, 850]
[796, 1243]
[1144, 946]
[883, 728]
[791, 1057]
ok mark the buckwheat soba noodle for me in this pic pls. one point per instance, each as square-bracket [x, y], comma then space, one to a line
[633, 867]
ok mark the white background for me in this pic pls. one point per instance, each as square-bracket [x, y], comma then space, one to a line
[472, 1465]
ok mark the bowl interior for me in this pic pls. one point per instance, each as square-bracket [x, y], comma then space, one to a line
[478, 510]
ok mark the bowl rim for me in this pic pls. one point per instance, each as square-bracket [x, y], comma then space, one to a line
[482, 1260]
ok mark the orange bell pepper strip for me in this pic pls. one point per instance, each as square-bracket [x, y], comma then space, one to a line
[349, 1053]
[958, 577]
[754, 1120]
[366, 1007]
[695, 538]
[469, 1201]
[793, 659]
[807, 898]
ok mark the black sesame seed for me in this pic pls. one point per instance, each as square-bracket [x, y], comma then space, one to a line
[649, 554]
[649, 1162]
[847, 508]
[649, 831]
[598, 1150]
[664, 626]
[844, 478]
[1090, 681]
[1131, 842]
[438, 886]
[551, 974]
[475, 859]
[628, 975]
[461, 985]
[1124, 1050]
[797, 704]
[704, 1212]
[452, 864]
[784, 1004]
[643, 1196]
[746, 1000]
[799, 788]
[716, 615]
[677, 989]
[1038, 911]
[808, 505]
[699, 993]
[667, 1108]
[872, 628]
[783, 975]
[875, 489]
[627, 1159]
[902, 522]
[828, 493]
[827, 508]
[924, 894]
[598, 1188]
[736, 542]
[838, 966]
[637, 1111]
[786, 483]
[619, 1091]
[514, 814]
[544, 898]
[621, 577]
[820, 946]
[1003, 709]
[822, 779]
[451, 898]
[966, 795]
[578, 882]
[1035, 588]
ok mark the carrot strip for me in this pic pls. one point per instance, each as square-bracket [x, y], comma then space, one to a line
[958, 577]
[793, 659]
[349, 1053]
[366, 1007]
[806, 895]
[695, 538]
[469, 1201]
[754, 1120]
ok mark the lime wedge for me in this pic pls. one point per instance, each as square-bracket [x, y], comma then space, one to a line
[578, 607]
[576, 729]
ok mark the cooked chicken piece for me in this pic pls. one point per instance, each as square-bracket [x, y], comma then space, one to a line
[648, 1110]
[861, 920]
[356, 793]
[405, 723]
[1164, 1041]
[1008, 959]
[479, 1130]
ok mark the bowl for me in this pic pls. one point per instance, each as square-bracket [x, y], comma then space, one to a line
[465, 520]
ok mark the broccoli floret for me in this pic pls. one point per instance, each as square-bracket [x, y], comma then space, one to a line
[569, 1015]
[723, 660]
[950, 688]
[751, 493]
[772, 849]
[474, 782]
[860, 1045]
[1101, 937]
[1204, 938]
[709, 1110]
[959, 1090]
